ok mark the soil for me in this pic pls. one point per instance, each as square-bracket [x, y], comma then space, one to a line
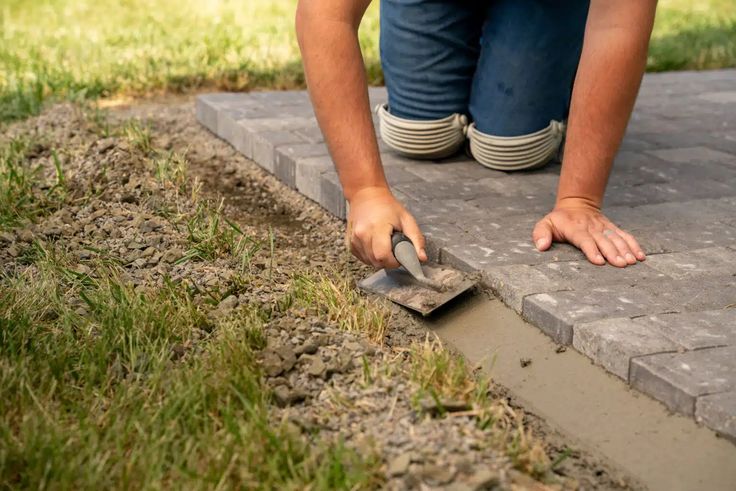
[316, 371]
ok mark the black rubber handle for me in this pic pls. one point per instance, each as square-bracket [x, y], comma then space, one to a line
[398, 237]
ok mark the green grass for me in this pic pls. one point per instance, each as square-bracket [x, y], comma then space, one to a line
[24, 192]
[105, 386]
[62, 49]
[693, 35]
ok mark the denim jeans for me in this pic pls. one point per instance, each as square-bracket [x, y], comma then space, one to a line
[508, 65]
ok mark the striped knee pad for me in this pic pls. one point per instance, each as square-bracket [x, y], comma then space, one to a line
[509, 153]
[433, 139]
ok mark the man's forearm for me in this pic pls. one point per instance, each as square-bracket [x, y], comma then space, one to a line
[611, 67]
[327, 33]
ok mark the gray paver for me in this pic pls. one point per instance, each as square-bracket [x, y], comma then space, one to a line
[619, 194]
[714, 260]
[612, 343]
[718, 411]
[287, 157]
[673, 185]
[264, 146]
[460, 170]
[581, 274]
[308, 176]
[441, 236]
[426, 191]
[331, 196]
[677, 379]
[671, 238]
[725, 97]
[695, 330]
[450, 211]
[695, 156]
[512, 283]
[206, 112]
[557, 313]
[311, 134]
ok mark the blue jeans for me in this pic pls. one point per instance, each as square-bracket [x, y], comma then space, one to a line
[508, 65]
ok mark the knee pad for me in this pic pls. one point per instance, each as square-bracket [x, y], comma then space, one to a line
[432, 139]
[509, 153]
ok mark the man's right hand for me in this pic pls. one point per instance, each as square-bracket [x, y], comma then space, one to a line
[374, 214]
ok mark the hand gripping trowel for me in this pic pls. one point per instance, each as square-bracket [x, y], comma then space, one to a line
[417, 287]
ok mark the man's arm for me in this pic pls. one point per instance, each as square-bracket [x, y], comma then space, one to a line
[611, 67]
[327, 31]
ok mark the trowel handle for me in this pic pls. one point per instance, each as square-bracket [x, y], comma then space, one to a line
[396, 239]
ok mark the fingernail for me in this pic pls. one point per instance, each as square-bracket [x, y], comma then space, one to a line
[620, 259]
[599, 258]
[642, 255]
[630, 257]
[540, 243]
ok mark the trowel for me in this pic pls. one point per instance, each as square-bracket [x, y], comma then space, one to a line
[414, 286]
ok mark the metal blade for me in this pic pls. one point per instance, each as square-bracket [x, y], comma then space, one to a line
[400, 287]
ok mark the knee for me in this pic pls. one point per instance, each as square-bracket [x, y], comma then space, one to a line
[422, 139]
[509, 153]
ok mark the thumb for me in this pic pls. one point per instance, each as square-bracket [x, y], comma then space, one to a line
[542, 235]
[410, 228]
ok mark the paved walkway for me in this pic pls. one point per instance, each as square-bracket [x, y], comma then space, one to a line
[666, 326]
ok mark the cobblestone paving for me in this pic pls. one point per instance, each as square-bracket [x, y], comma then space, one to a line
[666, 326]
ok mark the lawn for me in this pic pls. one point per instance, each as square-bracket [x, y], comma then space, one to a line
[56, 49]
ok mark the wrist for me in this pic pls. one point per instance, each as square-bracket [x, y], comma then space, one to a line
[368, 191]
[567, 202]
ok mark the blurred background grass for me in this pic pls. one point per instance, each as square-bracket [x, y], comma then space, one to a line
[82, 49]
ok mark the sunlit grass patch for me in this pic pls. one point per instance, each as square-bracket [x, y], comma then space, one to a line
[25, 192]
[212, 235]
[139, 135]
[96, 49]
[335, 298]
[171, 168]
[107, 386]
[693, 35]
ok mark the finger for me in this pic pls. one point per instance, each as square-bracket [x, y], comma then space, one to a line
[633, 244]
[361, 242]
[623, 248]
[410, 228]
[358, 252]
[609, 250]
[382, 251]
[542, 235]
[584, 241]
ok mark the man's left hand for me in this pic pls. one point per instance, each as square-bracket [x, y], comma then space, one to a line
[583, 225]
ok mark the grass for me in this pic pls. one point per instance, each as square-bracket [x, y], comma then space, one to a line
[335, 298]
[24, 192]
[58, 49]
[109, 386]
[693, 35]
[105, 386]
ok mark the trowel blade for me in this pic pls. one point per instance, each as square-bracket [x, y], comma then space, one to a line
[400, 287]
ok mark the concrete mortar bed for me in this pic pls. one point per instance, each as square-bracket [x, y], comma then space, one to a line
[666, 326]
